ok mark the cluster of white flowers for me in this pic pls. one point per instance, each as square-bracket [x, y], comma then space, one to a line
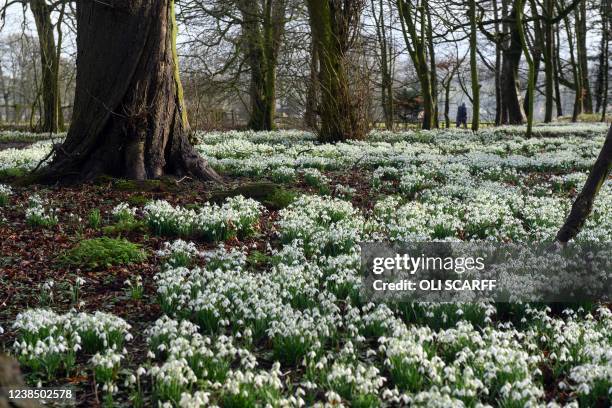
[106, 367]
[249, 388]
[283, 174]
[100, 330]
[198, 399]
[38, 214]
[5, 192]
[187, 356]
[238, 216]
[314, 177]
[355, 381]
[25, 159]
[49, 341]
[344, 191]
[502, 148]
[258, 153]
[490, 211]
[178, 253]
[123, 211]
[323, 225]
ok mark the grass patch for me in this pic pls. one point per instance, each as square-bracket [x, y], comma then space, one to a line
[95, 218]
[102, 252]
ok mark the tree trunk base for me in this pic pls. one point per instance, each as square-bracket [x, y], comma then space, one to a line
[183, 159]
[129, 118]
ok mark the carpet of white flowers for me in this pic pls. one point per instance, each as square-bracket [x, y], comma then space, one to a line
[288, 326]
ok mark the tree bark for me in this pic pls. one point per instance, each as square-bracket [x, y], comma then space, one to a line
[433, 66]
[549, 53]
[333, 27]
[474, 68]
[578, 91]
[446, 85]
[606, 52]
[536, 50]
[263, 28]
[556, 72]
[582, 56]
[603, 69]
[312, 95]
[5, 95]
[584, 202]
[498, 65]
[417, 45]
[129, 117]
[51, 103]
[512, 109]
[386, 69]
[530, 62]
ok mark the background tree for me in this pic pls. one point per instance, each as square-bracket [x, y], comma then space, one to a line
[5, 96]
[129, 118]
[255, 63]
[263, 24]
[474, 66]
[52, 119]
[335, 27]
[549, 52]
[603, 71]
[532, 68]
[21, 79]
[312, 93]
[582, 55]
[386, 59]
[449, 66]
[416, 28]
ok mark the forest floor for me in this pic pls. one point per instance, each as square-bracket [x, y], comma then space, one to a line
[291, 255]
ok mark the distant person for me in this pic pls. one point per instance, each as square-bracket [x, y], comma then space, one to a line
[462, 115]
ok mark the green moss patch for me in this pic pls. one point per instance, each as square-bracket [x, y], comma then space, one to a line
[272, 196]
[102, 252]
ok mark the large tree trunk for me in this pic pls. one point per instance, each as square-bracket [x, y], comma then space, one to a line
[51, 104]
[333, 27]
[512, 109]
[129, 118]
[584, 202]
